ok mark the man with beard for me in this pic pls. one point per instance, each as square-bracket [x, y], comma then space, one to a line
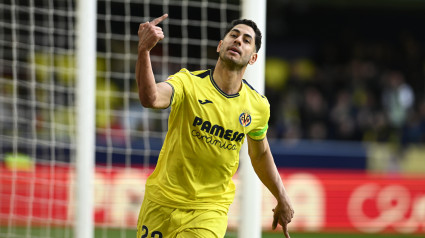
[212, 112]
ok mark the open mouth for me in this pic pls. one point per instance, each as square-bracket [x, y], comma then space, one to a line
[235, 50]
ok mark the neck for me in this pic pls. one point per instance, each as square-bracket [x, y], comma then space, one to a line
[229, 80]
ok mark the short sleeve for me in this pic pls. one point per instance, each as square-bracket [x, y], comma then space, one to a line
[260, 132]
[176, 82]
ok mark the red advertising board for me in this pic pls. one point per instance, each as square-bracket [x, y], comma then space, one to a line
[357, 201]
[323, 200]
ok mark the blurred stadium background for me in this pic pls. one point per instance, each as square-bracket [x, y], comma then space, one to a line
[345, 79]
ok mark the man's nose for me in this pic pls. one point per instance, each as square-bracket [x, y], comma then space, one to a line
[238, 40]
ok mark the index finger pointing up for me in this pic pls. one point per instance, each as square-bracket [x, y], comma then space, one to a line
[159, 19]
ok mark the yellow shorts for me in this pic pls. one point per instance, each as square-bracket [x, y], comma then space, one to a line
[157, 221]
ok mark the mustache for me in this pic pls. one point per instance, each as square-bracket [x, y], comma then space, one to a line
[234, 48]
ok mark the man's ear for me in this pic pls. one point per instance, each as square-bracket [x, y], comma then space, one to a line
[219, 45]
[253, 59]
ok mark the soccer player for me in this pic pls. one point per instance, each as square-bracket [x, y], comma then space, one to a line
[212, 112]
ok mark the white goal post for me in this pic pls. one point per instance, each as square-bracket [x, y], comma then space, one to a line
[85, 109]
[251, 187]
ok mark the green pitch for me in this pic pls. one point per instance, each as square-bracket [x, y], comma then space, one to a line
[330, 235]
[44, 232]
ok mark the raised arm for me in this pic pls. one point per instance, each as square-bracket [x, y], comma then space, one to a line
[151, 94]
[264, 166]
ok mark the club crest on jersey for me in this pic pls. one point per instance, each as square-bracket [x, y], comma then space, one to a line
[245, 119]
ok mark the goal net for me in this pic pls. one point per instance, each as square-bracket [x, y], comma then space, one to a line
[38, 107]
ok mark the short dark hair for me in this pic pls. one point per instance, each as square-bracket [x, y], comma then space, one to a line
[248, 23]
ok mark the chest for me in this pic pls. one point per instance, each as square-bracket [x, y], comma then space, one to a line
[212, 108]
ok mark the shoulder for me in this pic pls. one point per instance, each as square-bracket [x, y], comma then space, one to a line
[255, 94]
[185, 73]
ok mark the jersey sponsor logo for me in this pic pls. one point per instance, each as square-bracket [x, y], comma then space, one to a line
[218, 130]
[210, 140]
[245, 119]
[205, 101]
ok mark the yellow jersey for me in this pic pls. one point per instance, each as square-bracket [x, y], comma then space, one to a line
[206, 129]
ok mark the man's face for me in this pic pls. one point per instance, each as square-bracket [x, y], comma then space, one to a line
[238, 46]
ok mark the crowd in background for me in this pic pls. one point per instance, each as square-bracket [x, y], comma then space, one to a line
[360, 91]
[346, 72]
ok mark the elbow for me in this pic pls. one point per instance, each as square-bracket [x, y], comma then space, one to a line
[258, 156]
[255, 157]
[251, 154]
[147, 101]
[146, 105]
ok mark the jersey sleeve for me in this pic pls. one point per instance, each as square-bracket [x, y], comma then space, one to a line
[177, 83]
[260, 132]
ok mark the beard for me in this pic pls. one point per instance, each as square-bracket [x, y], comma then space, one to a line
[232, 63]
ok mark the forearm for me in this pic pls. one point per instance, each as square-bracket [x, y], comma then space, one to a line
[267, 172]
[145, 79]
[149, 35]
